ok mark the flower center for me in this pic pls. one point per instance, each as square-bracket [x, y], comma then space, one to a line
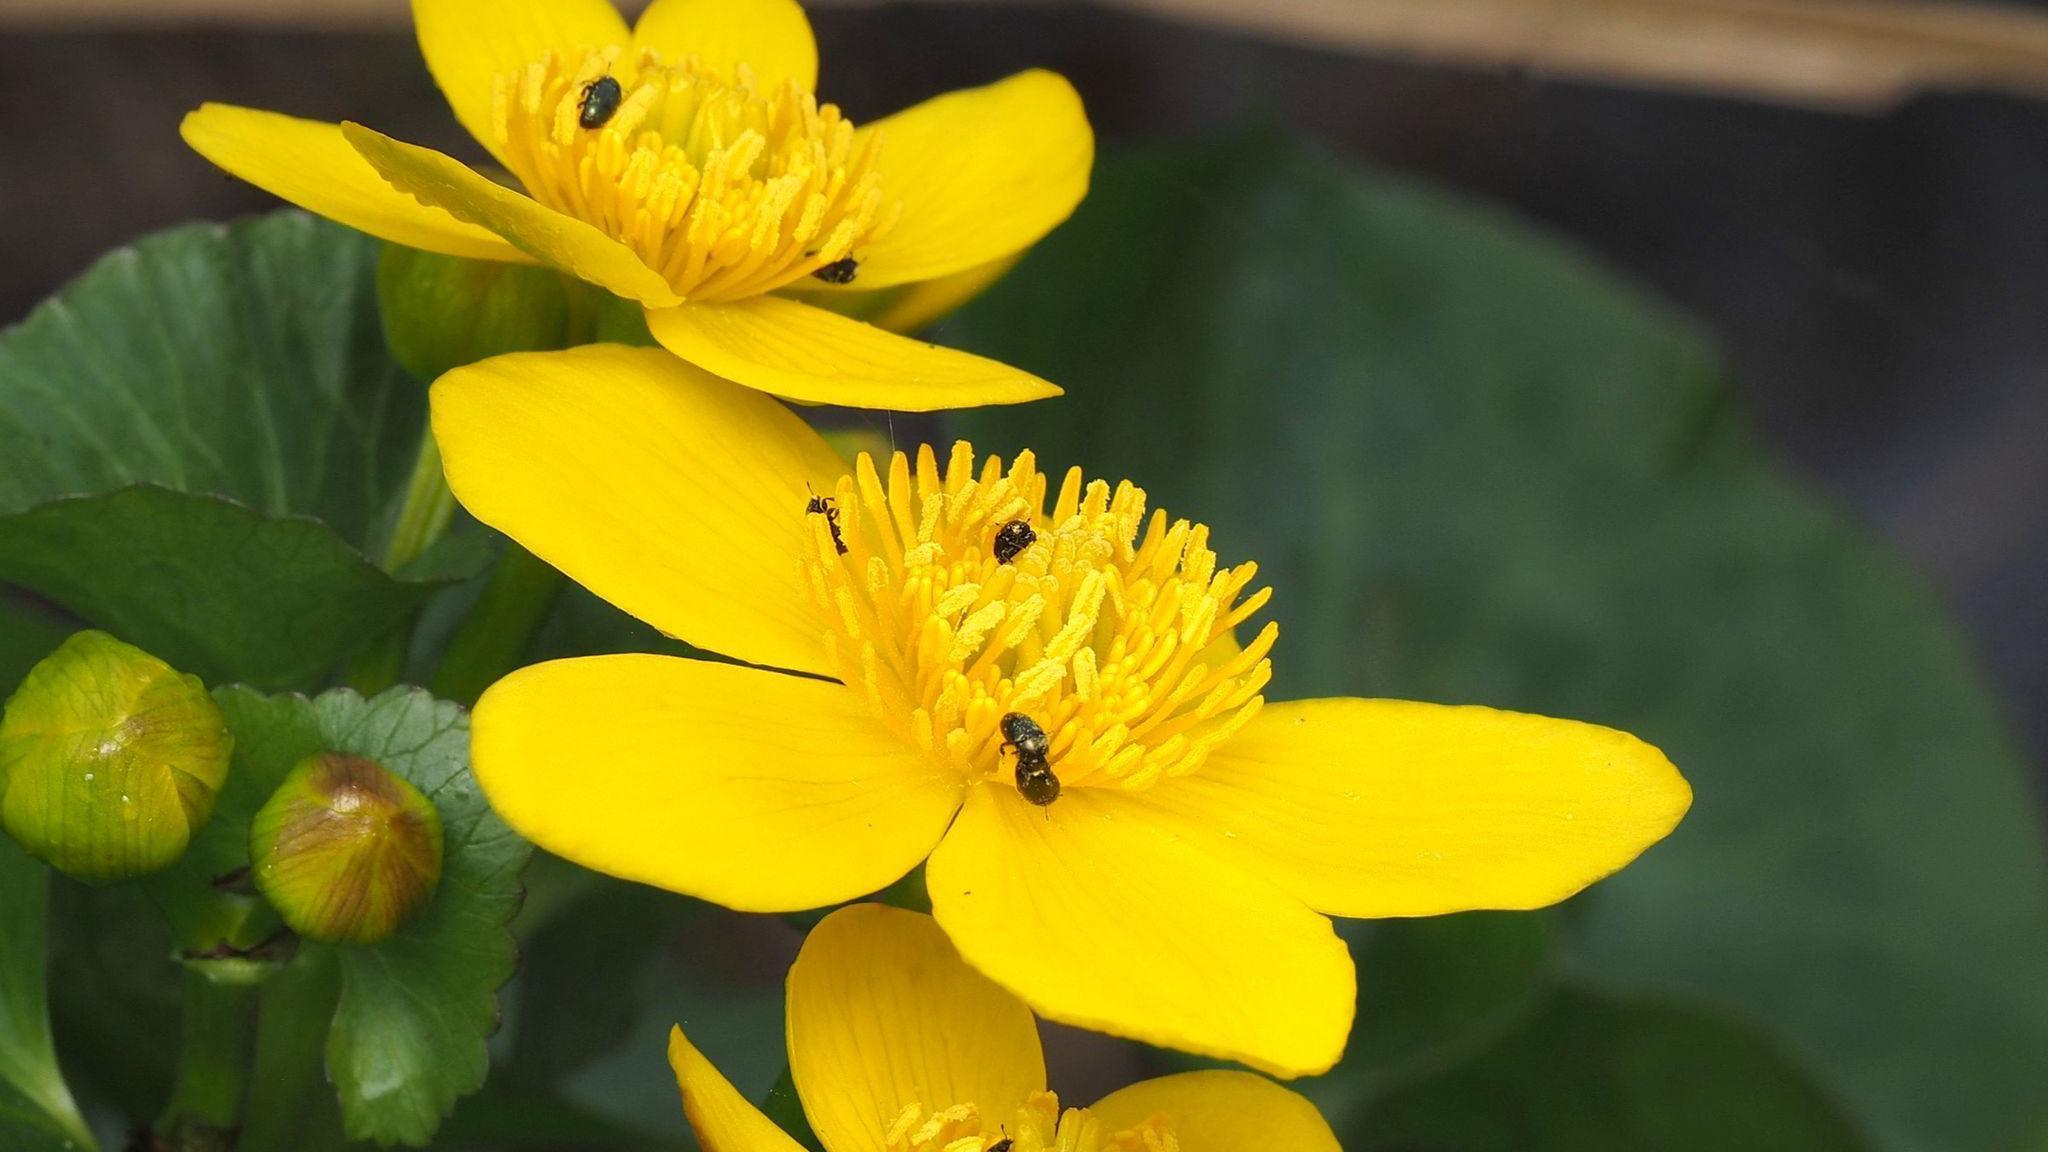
[956, 605]
[1038, 1126]
[723, 187]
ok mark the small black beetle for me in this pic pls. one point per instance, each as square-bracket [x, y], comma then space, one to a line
[1035, 781]
[838, 271]
[1022, 733]
[601, 98]
[1012, 539]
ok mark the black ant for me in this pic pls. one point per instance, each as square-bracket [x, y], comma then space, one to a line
[828, 508]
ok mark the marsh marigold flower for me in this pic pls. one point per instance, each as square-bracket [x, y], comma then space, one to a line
[896, 1045]
[687, 164]
[1177, 889]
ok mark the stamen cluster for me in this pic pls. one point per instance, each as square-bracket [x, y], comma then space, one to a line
[724, 187]
[1112, 630]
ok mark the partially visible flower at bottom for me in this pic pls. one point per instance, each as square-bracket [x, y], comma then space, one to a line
[897, 1045]
[1035, 682]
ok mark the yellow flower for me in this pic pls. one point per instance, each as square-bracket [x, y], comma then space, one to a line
[685, 164]
[1178, 888]
[895, 1045]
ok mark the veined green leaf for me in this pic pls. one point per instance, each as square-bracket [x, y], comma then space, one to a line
[205, 436]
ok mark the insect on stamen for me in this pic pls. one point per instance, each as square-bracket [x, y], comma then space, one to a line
[827, 507]
[838, 271]
[1035, 780]
[601, 98]
[1012, 539]
[1065, 639]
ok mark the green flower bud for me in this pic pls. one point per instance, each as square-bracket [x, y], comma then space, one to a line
[345, 849]
[110, 759]
[442, 312]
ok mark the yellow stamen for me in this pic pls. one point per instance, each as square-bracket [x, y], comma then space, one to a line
[725, 189]
[1111, 630]
[1038, 1126]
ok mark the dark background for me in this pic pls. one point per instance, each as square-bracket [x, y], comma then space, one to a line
[1879, 282]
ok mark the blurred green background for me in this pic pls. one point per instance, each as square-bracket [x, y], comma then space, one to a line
[1403, 333]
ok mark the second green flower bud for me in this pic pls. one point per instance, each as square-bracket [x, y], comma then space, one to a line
[442, 312]
[346, 850]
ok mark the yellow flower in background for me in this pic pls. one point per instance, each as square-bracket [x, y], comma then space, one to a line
[896, 1045]
[686, 164]
[1178, 886]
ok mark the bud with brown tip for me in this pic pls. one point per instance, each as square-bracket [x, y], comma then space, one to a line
[345, 849]
[110, 759]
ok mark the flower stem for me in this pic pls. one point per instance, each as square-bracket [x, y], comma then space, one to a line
[427, 509]
[291, 1034]
[499, 629]
[422, 518]
[213, 1066]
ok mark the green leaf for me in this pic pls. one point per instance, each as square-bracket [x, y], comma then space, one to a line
[36, 1110]
[110, 952]
[414, 1010]
[580, 976]
[1433, 991]
[29, 631]
[1477, 468]
[1432, 994]
[501, 1118]
[580, 624]
[205, 436]
[606, 969]
[786, 1108]
[1593, 1076]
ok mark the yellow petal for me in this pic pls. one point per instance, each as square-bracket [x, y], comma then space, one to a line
[532, 227]
[467, 43]
[1099, 919]
[756, 790]
[1393, 808]
[1221, 1111]
[722, 1118]
[671, 493]
[773, 37]
[927, 302]
[911, 308]
[883, 1014]
[312, 165]
[818, 357]
[981, 173]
